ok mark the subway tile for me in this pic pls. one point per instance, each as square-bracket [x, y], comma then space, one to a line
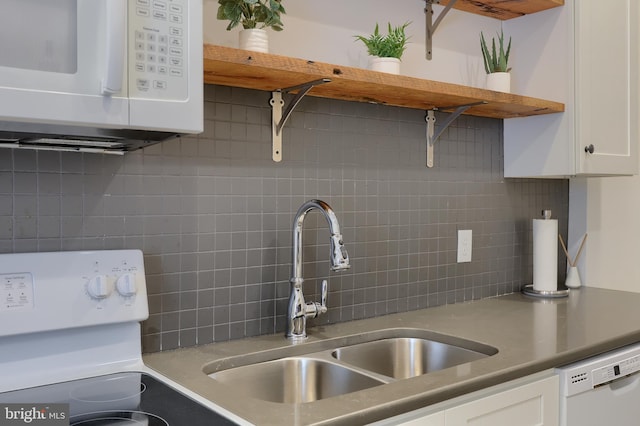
[49, 227]
[6, 231]
[6, 182]
[25, 160]
[169, 340]
[187, 337]
[204, 335]
[221, 332]
[25, 182]
[213, 214]
[6, 160]
[25, 227]
[188, 300]
[170, 302]
[151, 342]
[170, 321]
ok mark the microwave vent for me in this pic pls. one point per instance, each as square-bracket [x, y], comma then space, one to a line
[77, 138]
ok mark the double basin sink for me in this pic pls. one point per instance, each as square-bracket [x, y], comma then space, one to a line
[319, 370]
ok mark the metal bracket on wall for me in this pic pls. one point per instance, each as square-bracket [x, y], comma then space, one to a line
[431, 26]
[432, 135]
[280, 117]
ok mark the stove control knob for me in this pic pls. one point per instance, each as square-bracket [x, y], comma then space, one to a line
[98, 287]
[126, 285]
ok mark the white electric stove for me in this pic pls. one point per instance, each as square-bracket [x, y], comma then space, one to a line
[70, 345]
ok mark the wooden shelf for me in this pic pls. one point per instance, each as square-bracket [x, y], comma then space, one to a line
[501, 9]
[262, 71]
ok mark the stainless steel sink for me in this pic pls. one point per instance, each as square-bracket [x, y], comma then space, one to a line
[294, 380]
[404, 357]
[304, 373]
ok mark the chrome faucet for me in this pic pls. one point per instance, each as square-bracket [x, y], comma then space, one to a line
[299, 310]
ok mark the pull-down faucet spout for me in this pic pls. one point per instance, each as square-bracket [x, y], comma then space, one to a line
[299, 311]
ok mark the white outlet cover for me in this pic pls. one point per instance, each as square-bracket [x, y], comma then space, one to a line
[465, 237]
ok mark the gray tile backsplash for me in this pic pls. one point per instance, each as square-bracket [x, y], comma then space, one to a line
[213, 214]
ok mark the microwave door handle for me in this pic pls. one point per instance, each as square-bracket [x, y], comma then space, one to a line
[116, 31]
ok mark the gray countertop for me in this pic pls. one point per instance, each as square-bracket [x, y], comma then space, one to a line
[530, 334]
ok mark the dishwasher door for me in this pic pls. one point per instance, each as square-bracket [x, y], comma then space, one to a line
[604, 390]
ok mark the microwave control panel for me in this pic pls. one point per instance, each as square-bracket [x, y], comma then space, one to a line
[158, 49]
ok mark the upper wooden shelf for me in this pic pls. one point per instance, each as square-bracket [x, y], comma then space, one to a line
[262, 71]
[501, 9]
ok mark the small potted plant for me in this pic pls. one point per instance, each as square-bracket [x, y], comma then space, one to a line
[386, 50]
[496, 63]
[255, 16]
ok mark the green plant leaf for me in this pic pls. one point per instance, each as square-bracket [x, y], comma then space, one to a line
[391, 45]
[251, 13]
[276, 6]
[485, 54]
[495, 60]
[506, 56]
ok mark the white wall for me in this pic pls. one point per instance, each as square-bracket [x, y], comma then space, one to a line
[609, 210]
[324, 31]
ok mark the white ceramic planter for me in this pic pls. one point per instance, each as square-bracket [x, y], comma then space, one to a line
[499, 81]
[573, 278]
[256, 40]
[388, 65]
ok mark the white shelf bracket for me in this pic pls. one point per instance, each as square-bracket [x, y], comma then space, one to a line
[433, 135]
[280, 117]
[431, 26]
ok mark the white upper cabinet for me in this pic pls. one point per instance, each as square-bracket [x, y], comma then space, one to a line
[585, 54]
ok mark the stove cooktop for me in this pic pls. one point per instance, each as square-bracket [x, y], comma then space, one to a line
[120, 399]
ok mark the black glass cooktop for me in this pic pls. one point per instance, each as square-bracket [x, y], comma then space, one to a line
[120, 399]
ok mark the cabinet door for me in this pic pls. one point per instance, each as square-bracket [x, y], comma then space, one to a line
[420, 417]
[607, 86]
[586, 54]
[533, 404]
[435, 419]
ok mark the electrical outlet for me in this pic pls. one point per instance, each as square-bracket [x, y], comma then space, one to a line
[464, 245]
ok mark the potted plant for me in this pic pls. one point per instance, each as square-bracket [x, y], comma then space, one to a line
[496, 63]
[386, 50]
[255, 16]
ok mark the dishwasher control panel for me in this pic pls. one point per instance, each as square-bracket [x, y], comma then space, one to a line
[598, 371]
[616, 370]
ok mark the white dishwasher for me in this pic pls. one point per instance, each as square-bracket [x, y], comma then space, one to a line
[603, 390]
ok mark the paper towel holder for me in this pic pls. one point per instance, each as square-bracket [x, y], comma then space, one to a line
[528, 289]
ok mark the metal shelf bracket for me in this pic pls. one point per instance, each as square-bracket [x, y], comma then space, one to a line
[433, 135]
[431, 26]
[280, 117]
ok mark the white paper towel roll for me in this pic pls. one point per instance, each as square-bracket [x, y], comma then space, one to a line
[545, 254]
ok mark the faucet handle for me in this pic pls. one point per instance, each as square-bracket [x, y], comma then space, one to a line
[323, 298]
[315, 309]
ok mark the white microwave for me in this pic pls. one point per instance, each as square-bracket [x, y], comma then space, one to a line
[99, 75]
